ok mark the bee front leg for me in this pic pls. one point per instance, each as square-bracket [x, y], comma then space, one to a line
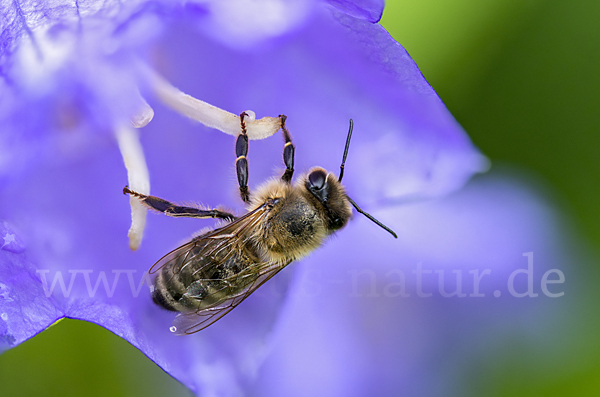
[177, 211]
[288, 152]
[241, 163]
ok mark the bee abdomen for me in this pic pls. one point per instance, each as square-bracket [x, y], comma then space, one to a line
[168, 295]
[197, 295]
[166, 301]
[191, 290]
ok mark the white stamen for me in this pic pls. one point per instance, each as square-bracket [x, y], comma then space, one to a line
[138, 178]
[207, 114]
[143, 113]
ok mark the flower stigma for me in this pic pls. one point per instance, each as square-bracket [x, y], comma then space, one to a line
[207, 114]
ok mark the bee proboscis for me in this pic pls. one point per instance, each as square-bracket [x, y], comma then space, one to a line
[210, 275]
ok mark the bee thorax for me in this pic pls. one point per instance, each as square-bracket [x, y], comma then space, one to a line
[292, 231]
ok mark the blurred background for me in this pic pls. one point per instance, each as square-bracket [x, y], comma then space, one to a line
[522, 77]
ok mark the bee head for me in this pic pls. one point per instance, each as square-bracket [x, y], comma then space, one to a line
[331, 195]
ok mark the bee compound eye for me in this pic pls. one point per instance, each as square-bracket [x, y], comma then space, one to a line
[317, 179]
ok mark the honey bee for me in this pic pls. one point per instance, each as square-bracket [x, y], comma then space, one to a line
[210, 275]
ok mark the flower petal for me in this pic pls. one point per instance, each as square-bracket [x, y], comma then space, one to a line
[25, 309]
[369, 10]
[355, 325]
[322, 70]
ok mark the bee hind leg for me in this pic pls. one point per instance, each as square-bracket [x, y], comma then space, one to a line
[288, 152]
[175, 210]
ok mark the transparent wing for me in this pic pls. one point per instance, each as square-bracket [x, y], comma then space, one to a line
[216, 244]
[189, 323]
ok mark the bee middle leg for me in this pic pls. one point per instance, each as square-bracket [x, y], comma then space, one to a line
[288, 152]
[241, 163]
[174, 210]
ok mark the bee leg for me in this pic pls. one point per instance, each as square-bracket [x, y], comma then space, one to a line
[177, 211]
[288, 152]
[241, 163]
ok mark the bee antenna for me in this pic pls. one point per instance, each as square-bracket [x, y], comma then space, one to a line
[346, 152]
[371, 216]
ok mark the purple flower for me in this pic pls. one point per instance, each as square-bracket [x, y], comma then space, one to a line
[73, 76]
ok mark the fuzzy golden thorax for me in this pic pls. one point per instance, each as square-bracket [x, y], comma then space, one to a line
[301, 217]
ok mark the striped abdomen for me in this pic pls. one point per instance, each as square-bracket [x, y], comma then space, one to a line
[202, 281]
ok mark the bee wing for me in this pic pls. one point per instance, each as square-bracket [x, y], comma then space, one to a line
[189, 323]
[212, 243]
[179, 254]
[213, 247]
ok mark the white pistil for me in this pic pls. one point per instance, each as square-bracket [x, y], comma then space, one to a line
[207, 114]
[138, 178]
